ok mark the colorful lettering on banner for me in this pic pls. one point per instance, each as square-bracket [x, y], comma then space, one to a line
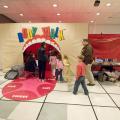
[46, 32]
[34, 30]
[20, 37]
[24, 33]
[52, 33]
[29, 32]
[56, 32]
[60, 35]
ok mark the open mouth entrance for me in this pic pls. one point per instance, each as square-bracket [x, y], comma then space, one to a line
[33, 45]
[32, 88]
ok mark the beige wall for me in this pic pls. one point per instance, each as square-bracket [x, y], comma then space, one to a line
[11, 49]
[105, 29]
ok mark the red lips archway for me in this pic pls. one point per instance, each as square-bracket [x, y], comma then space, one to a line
[32, 88]
[34, 43]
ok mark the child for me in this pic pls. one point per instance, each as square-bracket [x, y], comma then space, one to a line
[53, 59]
[80, 76]
[59, 68]
[30, 65]
[67, 69]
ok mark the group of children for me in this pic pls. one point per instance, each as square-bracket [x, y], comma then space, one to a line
[58, 65]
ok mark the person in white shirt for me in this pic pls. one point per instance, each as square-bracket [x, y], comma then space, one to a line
[53, 61]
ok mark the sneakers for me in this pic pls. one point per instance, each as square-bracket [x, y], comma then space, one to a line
[89, 84]
[74, 93]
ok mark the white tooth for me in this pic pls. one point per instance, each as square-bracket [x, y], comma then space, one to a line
[29, 43]
[24, 48]
[33, 41]
[48, 41]
[43, 40]
[52, 44]
[26, 45]
[55, 46]
[38, 40]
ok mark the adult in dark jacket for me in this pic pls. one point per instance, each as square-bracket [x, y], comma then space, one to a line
[42, 59]
[87, 52]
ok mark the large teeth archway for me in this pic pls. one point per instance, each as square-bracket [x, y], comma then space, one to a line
[39, 39]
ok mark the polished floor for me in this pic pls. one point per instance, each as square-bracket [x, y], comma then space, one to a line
[103, 103]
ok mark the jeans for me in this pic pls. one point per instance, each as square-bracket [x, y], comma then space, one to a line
[42, 69]
[57, 73]
[81, 80]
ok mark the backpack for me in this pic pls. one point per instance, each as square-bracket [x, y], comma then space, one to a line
[11, 75]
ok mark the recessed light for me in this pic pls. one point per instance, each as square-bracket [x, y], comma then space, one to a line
[21, 14]
[5, 6]
[108, 4]
[54, 5]
[92, 21]
[58, 14]
[98, 13]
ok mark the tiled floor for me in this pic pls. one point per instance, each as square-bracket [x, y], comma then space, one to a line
[103, 103]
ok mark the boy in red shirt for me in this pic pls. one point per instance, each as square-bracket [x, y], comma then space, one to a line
[80, 76]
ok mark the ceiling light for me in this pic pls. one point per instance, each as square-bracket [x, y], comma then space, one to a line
[21, 14]
[108, 4]
[5, 6]
[92, 21]
[98, 13]
[58, 14]
[54, 5]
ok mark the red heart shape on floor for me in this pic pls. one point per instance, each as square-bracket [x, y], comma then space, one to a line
[28, 88]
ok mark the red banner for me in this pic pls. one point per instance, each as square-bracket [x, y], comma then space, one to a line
[105, 45]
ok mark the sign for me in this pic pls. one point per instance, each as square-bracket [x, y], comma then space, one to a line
[47, 32]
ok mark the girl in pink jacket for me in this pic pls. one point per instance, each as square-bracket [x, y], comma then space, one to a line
[59, 68]
[53, 62]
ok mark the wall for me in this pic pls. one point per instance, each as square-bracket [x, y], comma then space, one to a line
[105, 29]
[11, 49]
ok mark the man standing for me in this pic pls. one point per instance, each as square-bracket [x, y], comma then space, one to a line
[42, 59]
[87, 52]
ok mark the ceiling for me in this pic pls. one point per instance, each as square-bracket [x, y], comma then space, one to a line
[5, 19]
[70, 10]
